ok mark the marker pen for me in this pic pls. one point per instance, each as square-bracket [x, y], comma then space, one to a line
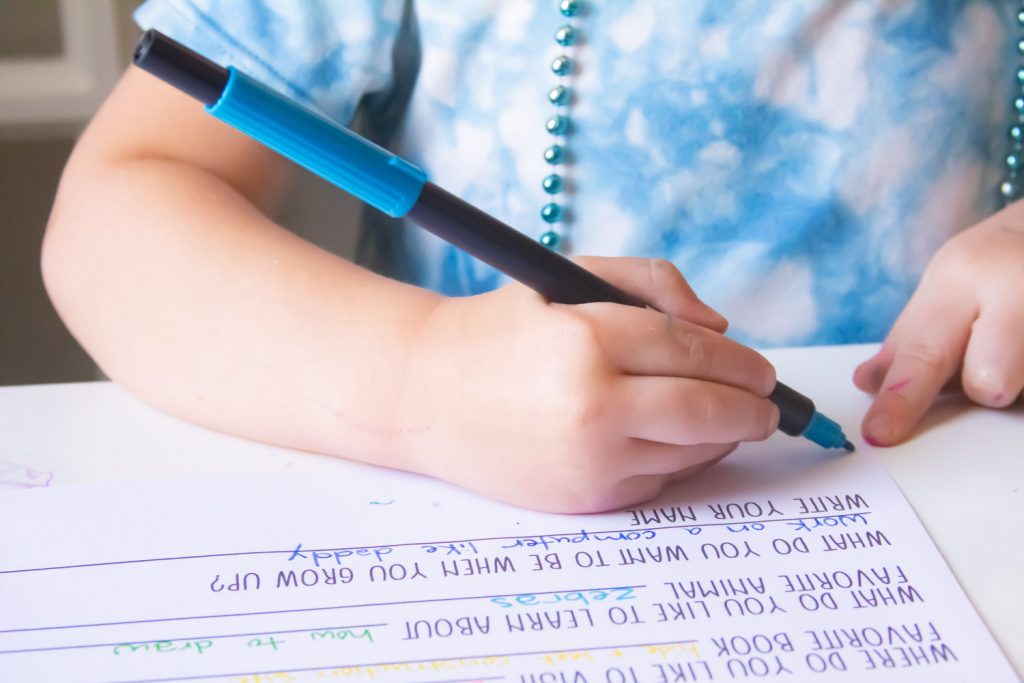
[400, 189]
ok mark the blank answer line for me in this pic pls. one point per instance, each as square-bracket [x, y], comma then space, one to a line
[305, 609]
[556, 535]
[360, 665]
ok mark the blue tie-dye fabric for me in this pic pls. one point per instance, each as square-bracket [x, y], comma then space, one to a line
[800, 161]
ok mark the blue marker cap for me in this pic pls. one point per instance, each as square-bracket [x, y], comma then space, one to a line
[339, 156]
[333, 152]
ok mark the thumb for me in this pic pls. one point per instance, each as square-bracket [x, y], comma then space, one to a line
[659, 283]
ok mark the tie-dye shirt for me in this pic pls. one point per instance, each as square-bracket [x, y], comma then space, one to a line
[800, 161]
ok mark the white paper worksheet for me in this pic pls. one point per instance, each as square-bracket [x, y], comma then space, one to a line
[782, 563]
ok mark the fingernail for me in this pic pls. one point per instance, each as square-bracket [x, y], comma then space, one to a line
[878, 430]
[717, 317]
[986, 387]
[773, 420]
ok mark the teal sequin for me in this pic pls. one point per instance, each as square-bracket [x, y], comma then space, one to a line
[559, 95]
[569, 8]
[566, 36]
[551, 213]
[550, 239]
[561, 65]
[555, 154]
[553, 183]
[558, 125]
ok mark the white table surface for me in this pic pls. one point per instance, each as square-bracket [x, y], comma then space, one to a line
[963, 471]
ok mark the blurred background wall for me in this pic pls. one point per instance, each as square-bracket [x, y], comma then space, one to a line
[58, 59]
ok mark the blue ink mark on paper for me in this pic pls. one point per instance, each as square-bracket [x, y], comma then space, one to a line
[13, 474]
[382, 502]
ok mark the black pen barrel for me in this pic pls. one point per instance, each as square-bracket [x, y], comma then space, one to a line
[555, 277]
[181, 67]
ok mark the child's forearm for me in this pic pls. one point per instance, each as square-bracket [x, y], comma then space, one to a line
[194, 300]
[161, 259]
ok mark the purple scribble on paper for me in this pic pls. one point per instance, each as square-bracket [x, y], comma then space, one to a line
[13, 474]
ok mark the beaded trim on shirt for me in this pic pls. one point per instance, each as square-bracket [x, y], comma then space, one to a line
[1010, 187]
[556, 214]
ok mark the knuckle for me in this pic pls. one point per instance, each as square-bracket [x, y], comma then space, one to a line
[570, 347]
[960, 262]
[585, 413]
[929, 354]
[962, 251]
[576, 332]
[708, 409]
[693, 345]
[662, 271]
[698, 412]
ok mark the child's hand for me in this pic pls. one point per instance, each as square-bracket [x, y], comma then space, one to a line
[966, 318]
[580, 408]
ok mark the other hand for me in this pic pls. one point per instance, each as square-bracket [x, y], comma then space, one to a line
[964, 325]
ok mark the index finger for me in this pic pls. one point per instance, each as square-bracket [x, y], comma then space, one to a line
[641, 341]
[659, 283]
[922, 362]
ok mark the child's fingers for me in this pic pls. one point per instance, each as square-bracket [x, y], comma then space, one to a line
[659, 283]
[870, 374]
[924, 358]
[644, 342]
[689, 411]
[993, 373]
